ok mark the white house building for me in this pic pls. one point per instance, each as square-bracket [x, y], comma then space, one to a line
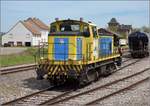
[26, 33]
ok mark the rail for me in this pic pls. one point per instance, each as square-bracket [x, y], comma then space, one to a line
[17, 69]
[22, 99]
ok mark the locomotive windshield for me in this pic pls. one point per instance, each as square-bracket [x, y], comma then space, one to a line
[66, 26]
[69, 27]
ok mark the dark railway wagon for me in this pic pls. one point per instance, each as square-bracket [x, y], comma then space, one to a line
[138, 44]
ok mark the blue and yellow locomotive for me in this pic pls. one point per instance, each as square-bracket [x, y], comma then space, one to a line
[76, 51]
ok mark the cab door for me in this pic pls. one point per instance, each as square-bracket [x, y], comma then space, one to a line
[95, 42]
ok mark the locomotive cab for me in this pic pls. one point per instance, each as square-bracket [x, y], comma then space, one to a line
[67, 40]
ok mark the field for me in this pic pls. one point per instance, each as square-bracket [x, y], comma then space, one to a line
[24, 57]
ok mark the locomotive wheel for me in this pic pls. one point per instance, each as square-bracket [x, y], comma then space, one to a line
[92, 75]
[83, 79]
[113, 67]
[107, 70]
[104, 71]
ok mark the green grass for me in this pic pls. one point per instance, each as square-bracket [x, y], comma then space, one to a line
[0, 40]
[16, 59]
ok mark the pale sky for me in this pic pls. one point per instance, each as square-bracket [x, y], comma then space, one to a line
[134, 13]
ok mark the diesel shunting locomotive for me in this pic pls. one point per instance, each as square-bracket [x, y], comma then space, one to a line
[77, 52]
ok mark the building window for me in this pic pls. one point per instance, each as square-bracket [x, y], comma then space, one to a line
[10, 35]
[11, 43]
[28, 36]
[27, 44]
[44, 33]
[19, 43]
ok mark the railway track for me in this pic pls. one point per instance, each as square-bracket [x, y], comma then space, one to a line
[43, 96]
[17, 69]
[126, 60]
[118, 91]
[66, 98]
[35, 98]
[137, 60]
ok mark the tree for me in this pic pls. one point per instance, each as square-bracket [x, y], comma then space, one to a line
[135, 29]
[145, 29]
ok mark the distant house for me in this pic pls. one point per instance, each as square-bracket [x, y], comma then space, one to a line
[123, 30]
[26, 33]
[102, 31]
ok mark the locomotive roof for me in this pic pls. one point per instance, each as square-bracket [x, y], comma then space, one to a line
[76, 21]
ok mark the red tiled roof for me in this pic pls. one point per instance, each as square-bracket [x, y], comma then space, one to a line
[29, 26]
[39, 23]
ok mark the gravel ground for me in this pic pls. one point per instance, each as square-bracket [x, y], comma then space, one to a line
[19, 84]
[137, 96]
[11, 50]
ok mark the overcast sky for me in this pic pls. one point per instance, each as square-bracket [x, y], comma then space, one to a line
[135, 13]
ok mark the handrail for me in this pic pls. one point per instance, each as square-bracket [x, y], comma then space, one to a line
[43, 49]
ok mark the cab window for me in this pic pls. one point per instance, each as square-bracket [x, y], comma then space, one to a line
[53, 29]
[94, 31]
[85, 28]
[69, 27]
[86, 32]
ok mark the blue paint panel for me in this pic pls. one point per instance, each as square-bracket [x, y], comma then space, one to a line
[79, 48]
[105, 46]
[61, 48]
